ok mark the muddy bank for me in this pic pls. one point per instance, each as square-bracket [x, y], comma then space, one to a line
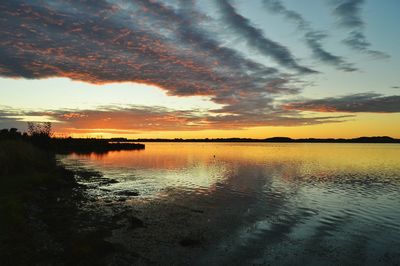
[59, 224]
[81, 222]
[85, 223]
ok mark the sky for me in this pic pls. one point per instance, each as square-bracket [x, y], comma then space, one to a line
[205, 68]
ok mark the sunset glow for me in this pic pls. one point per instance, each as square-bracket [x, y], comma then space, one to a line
[196, 69]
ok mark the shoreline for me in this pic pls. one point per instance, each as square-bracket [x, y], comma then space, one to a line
[91, 221]
[48, 215]
[62, 224]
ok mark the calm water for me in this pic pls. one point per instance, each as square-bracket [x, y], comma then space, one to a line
[261, 203]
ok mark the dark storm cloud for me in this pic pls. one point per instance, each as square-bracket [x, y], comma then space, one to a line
[312, 38]
[255, 38]
[348, 13]
[355, 103]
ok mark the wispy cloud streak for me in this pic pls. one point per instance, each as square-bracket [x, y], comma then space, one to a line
[276, 6]
[138, 119]
[355, 103]
[256, 38]
[348, 13]
[313, 40]
[312, 37]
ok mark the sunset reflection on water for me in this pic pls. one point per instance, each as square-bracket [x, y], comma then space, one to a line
[266, 196]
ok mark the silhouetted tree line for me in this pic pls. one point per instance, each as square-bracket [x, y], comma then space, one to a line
[11, 133]
[35, 130]
[41, 135]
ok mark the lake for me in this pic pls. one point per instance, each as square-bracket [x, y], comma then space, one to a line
[255, 203]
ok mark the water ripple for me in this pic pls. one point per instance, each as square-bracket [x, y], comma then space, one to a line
[323, 202]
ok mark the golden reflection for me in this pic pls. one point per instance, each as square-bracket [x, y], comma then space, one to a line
[176, 155]
[241, 165]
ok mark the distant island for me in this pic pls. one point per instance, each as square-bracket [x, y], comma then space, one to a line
[375, 139]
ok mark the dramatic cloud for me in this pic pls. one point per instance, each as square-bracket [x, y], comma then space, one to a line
[141, 41]
[138, 119]
[169, 44]
[312, 38]
[255, 38]
[348, 13]
[355, 103]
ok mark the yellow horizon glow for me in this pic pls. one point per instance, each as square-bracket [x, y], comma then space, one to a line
[360, 125]
[78, 95]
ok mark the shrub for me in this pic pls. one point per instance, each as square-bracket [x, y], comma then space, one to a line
[40, 129]
[22, 157]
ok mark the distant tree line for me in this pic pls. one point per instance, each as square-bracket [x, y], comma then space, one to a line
[35, 130]
[11, 133]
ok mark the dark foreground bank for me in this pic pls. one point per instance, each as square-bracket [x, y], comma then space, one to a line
[69, 145]
[46, 218]
[42, 138]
